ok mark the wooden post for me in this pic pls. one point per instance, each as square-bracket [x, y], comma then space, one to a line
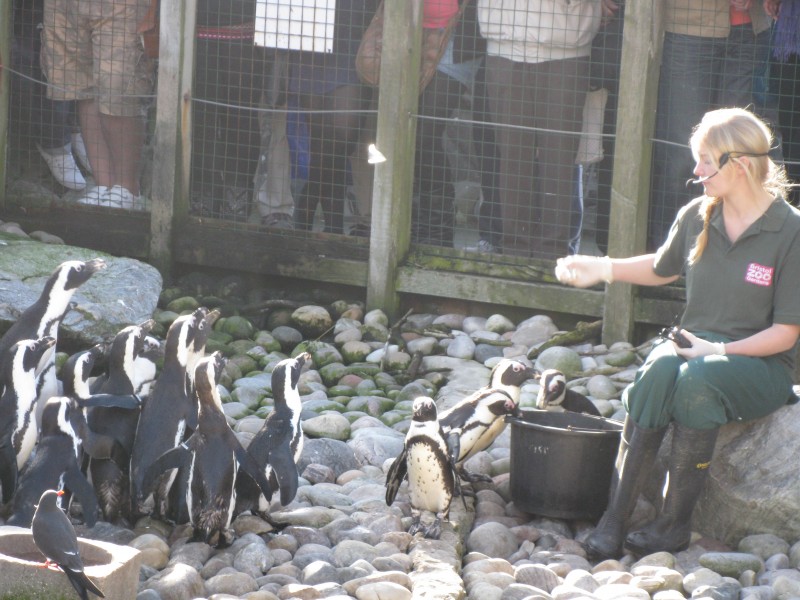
[630, 188]
[172, 156]
[5, 92]
[396, 135]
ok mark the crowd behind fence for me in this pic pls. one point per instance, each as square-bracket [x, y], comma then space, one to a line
[515, 130]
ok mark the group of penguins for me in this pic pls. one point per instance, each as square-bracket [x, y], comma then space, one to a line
[137, 440]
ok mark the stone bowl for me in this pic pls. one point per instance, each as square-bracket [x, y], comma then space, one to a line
[113, 568]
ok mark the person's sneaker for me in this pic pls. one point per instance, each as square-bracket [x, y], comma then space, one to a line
[79, 150]
[93, 196]
[63, 166]
[120, 197]
[483, 247]
[278, 221]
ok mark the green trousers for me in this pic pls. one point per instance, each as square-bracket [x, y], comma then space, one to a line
[706, 392]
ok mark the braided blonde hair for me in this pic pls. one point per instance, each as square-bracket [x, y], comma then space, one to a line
[736, 132]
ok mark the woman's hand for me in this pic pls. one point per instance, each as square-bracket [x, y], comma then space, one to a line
[584, 271]
[699, 347]
[772, 8]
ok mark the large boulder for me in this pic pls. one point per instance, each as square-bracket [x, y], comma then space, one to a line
[124, 293]
[753, 487]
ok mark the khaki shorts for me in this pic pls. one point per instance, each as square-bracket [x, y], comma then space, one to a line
[90, 49]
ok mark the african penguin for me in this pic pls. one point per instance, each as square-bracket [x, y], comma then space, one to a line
[425, 461]
[56, 539]
[18, 430]
[63, 437]
[473, 423]
[210, 458]
[44, 316]
[109, 476]
[57, 461]
[170, 413]
[556, 397]
[278, 445]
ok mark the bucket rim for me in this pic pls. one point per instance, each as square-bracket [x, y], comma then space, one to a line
[517, 420]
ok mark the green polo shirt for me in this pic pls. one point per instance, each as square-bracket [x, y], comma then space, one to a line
[736, 290]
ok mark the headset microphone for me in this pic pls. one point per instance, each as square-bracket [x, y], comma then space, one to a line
[723, 160]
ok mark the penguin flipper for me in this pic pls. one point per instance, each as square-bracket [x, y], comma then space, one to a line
[129, 401]
[8, 471]
[76, 482]
[394, 477]
[453, 441]
[283, 466]
[175, 458]
[82, 583]
[248, 464]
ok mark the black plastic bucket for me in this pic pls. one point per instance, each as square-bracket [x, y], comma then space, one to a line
[561, 463]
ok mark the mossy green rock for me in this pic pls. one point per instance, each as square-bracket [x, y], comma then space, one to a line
[325, 354]
[332, 373]
[354, 415]
[238, 327]
[232, 371]
[183, 304]
[341, 390]
[267, 341]
[355, 351]
[312, 320]
[415, 389]
[319, 406]
[165, 317]
[244, 362]
[330, 425]
[623, 358]
[374, 406]
[374, 333]
[564, 359]
[390, 417]
[385, 381]
[249, 396]
[242, 346]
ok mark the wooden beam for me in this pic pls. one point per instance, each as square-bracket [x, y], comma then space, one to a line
[630, 188]
[5, 91]
[172, 154]
[396, 134]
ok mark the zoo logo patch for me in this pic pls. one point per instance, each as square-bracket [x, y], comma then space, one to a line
[759, 274]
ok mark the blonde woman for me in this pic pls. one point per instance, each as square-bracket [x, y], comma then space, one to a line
[738, 246]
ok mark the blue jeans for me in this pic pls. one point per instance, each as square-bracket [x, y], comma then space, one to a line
[698, 74]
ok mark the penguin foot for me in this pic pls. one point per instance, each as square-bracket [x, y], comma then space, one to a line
[473, 477]
[416, 526]
[434, 530]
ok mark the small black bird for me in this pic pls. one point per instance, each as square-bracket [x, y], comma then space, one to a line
[555, 397]
[55, 537]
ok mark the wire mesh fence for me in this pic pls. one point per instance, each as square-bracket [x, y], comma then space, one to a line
[515, 131]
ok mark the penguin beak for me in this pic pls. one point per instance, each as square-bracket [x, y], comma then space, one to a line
[212, 316]
[95, 265]
[147, 326]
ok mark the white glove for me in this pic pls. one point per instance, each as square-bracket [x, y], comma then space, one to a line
[584, 271]
[699, 347]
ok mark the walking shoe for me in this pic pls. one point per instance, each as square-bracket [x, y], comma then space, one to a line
[278, 221]
[120, 197]
[483, 247]
[63, 166]
[79, 150]
[93, 196]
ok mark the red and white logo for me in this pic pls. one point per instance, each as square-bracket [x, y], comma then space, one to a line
[759, 274]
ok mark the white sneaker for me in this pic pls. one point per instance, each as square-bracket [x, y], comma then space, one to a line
[79, 150]
[120, 197]
[93, 196]
[63, 166]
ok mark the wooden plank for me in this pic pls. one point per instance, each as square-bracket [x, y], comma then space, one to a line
[396, 134]
[172, 155]
[5, 91]
[491, 290]
[630, 190]
[317, 258]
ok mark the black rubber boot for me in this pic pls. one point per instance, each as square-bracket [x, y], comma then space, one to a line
[637, 451]
[689, 460]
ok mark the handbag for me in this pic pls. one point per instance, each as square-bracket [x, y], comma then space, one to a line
[434, 42]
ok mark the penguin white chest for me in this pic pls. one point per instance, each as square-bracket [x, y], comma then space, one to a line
[428, 487]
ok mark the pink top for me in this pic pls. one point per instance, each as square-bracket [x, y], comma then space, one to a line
[437, 13]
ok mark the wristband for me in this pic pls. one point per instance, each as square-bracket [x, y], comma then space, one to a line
[719, 348]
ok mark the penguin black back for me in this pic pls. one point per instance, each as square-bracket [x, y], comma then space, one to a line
[279, 443]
